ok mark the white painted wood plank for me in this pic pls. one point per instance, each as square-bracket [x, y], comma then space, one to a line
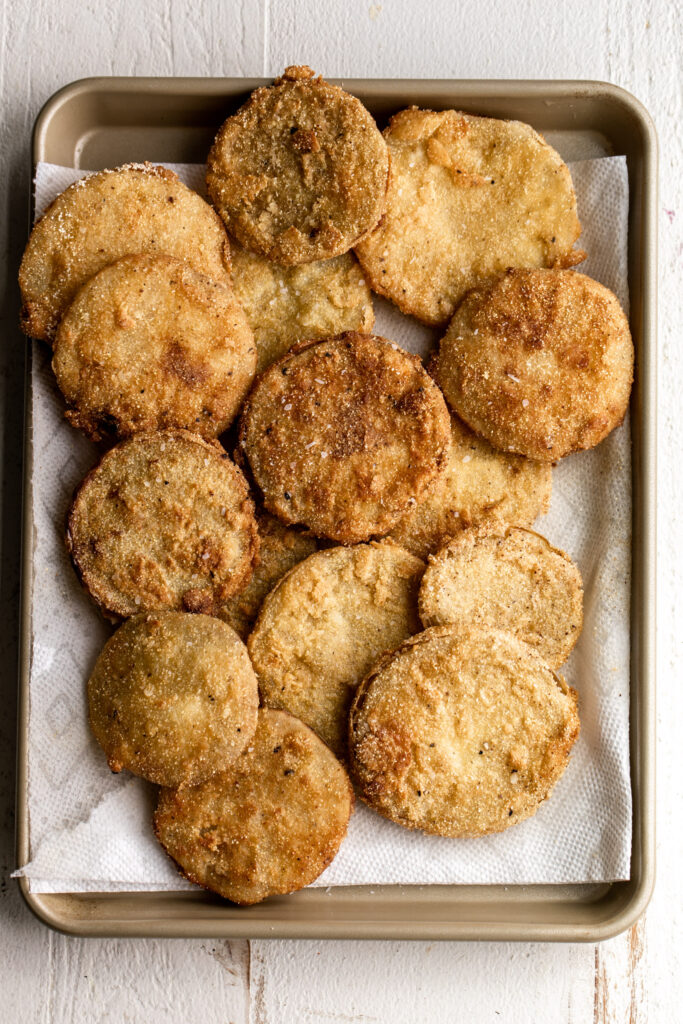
[25, 968]
[471, 39]
[216, 38]
[621, 988]
[155, 982]
[405, 983]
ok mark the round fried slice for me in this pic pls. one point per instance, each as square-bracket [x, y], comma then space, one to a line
[173, 698]
[268, 825]
[461, 734]
[539, 363]
[480, 485]
[163, 521]
[150, 344]
[132, 209]
[285, 305]
[343, 435]
[325, 625]
[510, 579]
[300, 172]
[280, 549]
[469, 197]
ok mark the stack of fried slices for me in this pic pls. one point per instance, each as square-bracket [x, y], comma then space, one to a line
[356, 595]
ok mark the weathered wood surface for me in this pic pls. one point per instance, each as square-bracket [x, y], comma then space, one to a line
[45, 977]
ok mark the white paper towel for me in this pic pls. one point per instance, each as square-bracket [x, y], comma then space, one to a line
[90, 830]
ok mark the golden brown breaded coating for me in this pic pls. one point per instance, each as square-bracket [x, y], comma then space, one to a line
[539, 363]
[150, 344]
[132, 209]
[163, 521]
[480, 485]
[343, 435]
[173, 698]
[285, 305]
[510, 579]
[280, 549]
[469, 197]
[325, 625]
[268, 825]
[461, 734]
[300, 172]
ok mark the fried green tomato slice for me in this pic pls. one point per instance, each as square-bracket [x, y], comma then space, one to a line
[270, 824]
[325, 625]
[285, 305]
[150, 344]
[469, 197]
[344, 435]
[280, 549]
[173, 698]
[300, 172]
[137, 208]
[163, 521]
[480, 485]
[461, 733]
[509, 579]
[539, 363]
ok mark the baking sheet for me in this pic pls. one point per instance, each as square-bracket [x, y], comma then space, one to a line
[93, 121]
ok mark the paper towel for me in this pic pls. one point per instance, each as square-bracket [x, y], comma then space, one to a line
[90, 830]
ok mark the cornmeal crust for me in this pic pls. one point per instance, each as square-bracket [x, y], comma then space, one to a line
[461, 734]
[280, 549]
[132, 209]
[325, 625]
[163, 521]
[285, 305]
[480, 485]
[510, 579]
[300, 172]
[150, 344]
[344, 435]
[539, 363]
[469, 197]
[270, 824]
[173, 698]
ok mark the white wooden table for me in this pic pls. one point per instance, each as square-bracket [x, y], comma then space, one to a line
[45, 977]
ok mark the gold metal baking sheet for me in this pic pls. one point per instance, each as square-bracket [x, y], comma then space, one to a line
[102, 122]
